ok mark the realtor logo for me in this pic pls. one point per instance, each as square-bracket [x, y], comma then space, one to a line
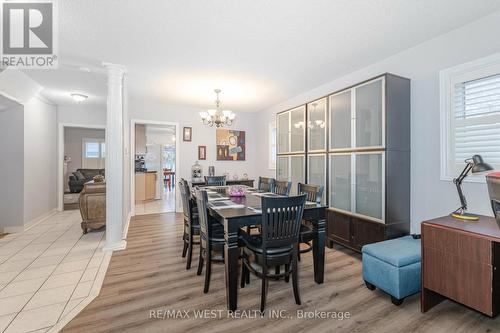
[28, 35]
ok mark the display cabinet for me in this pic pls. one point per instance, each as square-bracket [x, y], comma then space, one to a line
[369, 171]
[357, 144]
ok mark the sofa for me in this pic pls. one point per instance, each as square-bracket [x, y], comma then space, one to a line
[80, 177]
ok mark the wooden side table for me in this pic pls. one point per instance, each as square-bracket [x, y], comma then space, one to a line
[461, 261]
[92, 202]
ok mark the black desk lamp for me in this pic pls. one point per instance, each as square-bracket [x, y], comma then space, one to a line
[476, 165]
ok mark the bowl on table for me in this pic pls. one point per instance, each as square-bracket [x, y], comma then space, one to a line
[237, 191]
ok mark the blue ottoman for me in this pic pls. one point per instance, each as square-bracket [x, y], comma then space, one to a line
[393, 266]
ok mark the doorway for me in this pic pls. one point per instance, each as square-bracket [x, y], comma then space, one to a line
[155, 167]
[82, 152]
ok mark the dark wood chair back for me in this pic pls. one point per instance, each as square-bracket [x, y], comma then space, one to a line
[202, 203]
[281, 218]
[282, 187]
[187, 204]
[266, 184]
[313, 192]
[215, 180]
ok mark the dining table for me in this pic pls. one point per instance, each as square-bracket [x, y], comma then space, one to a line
[237, 212]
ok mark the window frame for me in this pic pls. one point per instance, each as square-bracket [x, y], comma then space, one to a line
[101, 142]
[447, 79]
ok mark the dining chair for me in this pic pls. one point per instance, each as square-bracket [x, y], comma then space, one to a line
[215, 180]
[266, 184]
[277, 244]
[191, 222]
[313, 194]
[282, 187]
[211, 238]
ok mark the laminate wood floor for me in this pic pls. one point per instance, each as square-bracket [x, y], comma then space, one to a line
[150, 275]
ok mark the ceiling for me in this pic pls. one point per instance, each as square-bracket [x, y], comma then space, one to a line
[258, 52]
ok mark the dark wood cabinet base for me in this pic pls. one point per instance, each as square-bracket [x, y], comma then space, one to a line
[354, 232]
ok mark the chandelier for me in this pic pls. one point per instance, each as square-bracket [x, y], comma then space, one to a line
[311, 124]
[216, 117]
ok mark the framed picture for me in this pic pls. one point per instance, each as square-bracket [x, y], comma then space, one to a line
[202, 152]
[187, 133]
[231, 145]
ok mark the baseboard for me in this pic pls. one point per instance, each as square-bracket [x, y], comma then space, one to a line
[13, 229]
[30, 224]
[127, 223]
[39, 219]
[116, 247]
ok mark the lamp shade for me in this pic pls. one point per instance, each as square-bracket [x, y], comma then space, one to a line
[479, 165]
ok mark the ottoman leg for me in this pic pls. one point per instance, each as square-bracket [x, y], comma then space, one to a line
[370, 286]
[397, 301]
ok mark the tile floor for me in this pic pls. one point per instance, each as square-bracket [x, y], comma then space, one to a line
[164, 205]
[48, 272]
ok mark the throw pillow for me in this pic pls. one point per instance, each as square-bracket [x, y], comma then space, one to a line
[79, 175]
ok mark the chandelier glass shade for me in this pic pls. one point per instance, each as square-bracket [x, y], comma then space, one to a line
[311, 124]
[217, 117]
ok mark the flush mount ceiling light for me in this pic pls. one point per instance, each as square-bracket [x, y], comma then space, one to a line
[79, 97]
[216, 117]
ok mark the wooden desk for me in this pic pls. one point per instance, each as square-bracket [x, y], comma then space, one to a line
[459, 262]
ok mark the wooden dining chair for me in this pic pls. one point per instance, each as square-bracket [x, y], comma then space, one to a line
[215, 180]
[277, 245]
[282, 187]
[313, 194]
[266, 184]
[191, 222]
[211, 238]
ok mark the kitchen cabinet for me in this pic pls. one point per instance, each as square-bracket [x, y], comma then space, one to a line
[145, 186]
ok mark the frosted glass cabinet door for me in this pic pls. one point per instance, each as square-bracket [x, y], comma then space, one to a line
[316, 171]
[283, 132]
[297, 172]
[369, 114]
[369, 184]
[340, 182]
[317, 125]
[297, 131]
[282, 168]
[340, 120]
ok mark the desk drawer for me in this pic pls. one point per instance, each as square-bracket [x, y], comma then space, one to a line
[466, 247]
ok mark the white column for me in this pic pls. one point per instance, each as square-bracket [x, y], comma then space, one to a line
[114, 158]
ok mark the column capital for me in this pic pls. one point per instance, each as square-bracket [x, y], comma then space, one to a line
[116, 69]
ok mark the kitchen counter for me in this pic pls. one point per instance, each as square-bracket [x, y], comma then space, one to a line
[145, 185]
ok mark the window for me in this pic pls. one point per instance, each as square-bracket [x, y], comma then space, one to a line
[470, 115]
[272, 146]
[92, 150]
[93, 153]
[103, 150]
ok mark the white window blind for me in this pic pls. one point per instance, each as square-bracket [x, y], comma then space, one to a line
[476, 120]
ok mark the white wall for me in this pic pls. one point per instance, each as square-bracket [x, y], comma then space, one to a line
[82, 114]
[11, 168]
[73, 137]
[430, 196]
[202, 136]
[40, 159]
